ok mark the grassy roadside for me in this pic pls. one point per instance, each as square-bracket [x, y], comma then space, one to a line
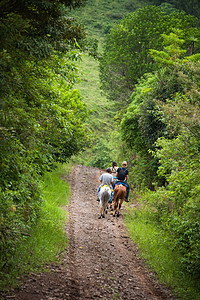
[47, 238]
[159, 254]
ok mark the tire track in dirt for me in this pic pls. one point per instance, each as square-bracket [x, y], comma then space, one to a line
[101, 261]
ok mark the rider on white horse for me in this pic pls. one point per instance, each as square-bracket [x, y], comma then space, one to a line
[106, 179]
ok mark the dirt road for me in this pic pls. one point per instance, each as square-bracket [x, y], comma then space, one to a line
[101, 261]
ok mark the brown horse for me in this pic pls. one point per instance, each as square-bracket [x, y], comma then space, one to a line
[118, 198]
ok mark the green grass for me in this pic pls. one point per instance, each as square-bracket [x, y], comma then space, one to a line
[101, 118]
[157, 251]
[47, 238]
[99, 15]
[101, 108]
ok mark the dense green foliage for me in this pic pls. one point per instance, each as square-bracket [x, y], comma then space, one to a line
[126, 53]
[46, 239]
[144, 123]
[99, 17]
[157, 248]
[42, 116]
[191, 7]
[163, 118]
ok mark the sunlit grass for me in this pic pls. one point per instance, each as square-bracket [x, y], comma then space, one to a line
[101, 108]
[159, 254]
[101, 119]
[47, 238]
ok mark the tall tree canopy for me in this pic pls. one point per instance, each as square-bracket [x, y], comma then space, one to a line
[126, 54]
[143, 123]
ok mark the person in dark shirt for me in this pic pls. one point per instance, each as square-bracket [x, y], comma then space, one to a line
[122, 177]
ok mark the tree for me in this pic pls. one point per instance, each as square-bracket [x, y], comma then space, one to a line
[176, 78]
[171, 97]
[191, 7]
[126, 53]
[41, 114]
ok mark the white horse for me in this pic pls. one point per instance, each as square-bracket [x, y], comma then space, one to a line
[104, 197]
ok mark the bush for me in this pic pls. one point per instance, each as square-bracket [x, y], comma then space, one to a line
[177, 207]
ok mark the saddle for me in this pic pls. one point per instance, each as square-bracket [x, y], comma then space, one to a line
[123, 182]
[106, 186]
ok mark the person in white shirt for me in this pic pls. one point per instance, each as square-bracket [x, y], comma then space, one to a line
[106, 179]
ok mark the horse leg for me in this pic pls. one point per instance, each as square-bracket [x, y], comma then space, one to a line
[115, 205]
[118, 206]
[118, 209]
[103, 212]
[101, 209]
[111, 206]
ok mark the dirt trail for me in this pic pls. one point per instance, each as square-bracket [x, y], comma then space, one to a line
[101, 261]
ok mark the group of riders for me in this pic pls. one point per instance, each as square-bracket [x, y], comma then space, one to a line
[114, 176]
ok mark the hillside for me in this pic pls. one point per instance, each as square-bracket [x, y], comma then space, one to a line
[98, 17]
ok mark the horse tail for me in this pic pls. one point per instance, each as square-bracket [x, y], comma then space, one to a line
[119, 192]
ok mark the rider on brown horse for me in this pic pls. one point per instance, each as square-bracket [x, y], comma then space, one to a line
[122, 177]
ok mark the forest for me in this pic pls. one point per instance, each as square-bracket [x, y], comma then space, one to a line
[146, 58]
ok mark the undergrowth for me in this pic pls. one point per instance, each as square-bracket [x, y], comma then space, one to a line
[158, 252]
[47, 238]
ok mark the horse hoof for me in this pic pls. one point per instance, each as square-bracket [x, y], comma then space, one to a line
[99, 217]
[118, 215]
[103, 216]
